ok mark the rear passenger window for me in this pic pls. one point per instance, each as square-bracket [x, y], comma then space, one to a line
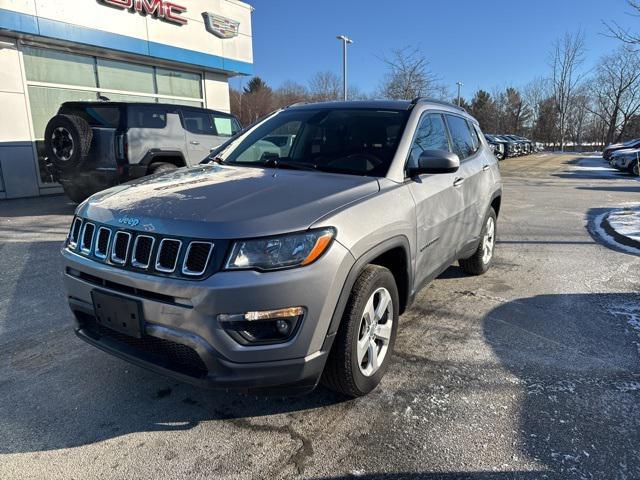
[462, 142]
[198, 122]
[147, 117]
[224, 126]
[431, 135]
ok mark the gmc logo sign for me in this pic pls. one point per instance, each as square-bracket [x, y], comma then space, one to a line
[167, 11]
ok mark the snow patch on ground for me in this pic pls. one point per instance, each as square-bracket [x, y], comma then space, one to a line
[626, 222]
[595, 166]
[608, 239]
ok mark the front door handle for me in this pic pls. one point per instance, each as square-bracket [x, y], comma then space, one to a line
[195, 142]
[485, 168]
[458, 181]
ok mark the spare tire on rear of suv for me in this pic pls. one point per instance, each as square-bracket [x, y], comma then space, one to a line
[67, 140]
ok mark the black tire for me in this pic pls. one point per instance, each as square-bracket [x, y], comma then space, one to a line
[67, 140]
[476, 264]
[634, 169]
[499, 156]
[77, 194]
[342, 372]
[161, 167]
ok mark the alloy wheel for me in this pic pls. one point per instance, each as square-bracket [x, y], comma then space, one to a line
[62, 144]
[375, 332]
[488, 241]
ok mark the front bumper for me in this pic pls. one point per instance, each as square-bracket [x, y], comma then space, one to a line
[182, 337]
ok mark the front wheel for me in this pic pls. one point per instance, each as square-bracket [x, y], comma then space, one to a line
[634, 169]
[364, 342]
[481, 260]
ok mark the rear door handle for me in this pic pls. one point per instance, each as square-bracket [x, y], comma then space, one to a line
[485, 168]
[195, 142]
[458, 181]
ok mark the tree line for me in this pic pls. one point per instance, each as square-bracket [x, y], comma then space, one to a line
[567, 105]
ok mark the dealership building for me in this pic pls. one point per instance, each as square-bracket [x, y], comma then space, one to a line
[53, 51]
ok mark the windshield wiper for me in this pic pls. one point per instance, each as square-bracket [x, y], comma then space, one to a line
[277, 163]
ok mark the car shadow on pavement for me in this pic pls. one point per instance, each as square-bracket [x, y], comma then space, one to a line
[577, 364]
[571, 365]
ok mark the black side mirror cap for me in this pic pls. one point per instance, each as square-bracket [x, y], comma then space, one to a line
[436, 161]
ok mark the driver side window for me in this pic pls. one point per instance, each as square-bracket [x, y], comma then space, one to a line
[431, 135]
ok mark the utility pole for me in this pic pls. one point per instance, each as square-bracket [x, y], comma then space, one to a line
[459, 84]
[345, 42]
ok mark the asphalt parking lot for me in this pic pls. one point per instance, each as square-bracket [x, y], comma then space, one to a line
[531, 371]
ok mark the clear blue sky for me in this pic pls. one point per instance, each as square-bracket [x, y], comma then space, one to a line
[483, 43]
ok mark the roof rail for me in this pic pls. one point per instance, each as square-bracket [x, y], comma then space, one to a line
[417, 100]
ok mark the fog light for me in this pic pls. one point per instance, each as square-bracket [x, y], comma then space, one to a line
[263, 327]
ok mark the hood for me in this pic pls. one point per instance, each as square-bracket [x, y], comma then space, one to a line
[212, 201]
[626, 151]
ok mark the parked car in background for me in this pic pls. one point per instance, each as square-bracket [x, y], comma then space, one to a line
[525, 145]
[610, 149]
[499, 146]
[91, 146]
[280, 271]
[512, 148]
[626, 160]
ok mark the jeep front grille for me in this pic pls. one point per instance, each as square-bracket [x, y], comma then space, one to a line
[142, 249]
[102, 243]
[120, 250]
[197, 258]
[86, 242]
[167, 258]
[148, 251]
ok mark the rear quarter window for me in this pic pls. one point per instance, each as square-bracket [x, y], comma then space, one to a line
[461, 138]
[147, 117]
[96, 116]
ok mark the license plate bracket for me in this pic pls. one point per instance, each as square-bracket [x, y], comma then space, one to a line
[118, 313]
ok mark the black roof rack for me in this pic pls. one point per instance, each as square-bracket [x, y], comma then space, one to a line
[417, 100]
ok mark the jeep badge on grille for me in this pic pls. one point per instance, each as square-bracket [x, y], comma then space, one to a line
[130, 221]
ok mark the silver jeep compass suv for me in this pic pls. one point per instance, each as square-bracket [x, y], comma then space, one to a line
[289, 254]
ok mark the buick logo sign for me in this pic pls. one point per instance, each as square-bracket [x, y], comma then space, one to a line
[130, 221]
[167, 11]
[220, 26]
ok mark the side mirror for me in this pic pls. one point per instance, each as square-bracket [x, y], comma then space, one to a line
[436, 161]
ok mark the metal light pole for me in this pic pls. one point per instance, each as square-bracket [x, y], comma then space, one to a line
[345, 41]
[459, 86]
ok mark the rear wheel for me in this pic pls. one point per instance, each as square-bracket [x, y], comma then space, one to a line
[481, 260]
[364, 342]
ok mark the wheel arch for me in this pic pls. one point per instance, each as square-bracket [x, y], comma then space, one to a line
[175, 157]
[394, 254]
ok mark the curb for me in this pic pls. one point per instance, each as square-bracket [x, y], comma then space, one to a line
[618, 237]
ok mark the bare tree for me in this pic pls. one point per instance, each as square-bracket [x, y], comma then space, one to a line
[408, 76]
[615, 91]
[566, 58]
[533, 94]
[289, 93]
[325, 86]
[624, 34]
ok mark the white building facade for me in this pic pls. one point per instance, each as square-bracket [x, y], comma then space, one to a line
[53, 51]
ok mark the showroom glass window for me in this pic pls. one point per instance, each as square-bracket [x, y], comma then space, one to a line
[55, 77]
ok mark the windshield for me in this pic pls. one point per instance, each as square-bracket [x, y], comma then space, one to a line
[351, 141]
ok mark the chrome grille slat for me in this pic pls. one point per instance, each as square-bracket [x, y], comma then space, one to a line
[117, 255]
[167, 256]
[136, 255]
[102, 244]
[197, 259]
[89, 230]
[74, 234]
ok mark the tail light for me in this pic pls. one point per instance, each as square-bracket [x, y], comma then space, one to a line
[122, 148]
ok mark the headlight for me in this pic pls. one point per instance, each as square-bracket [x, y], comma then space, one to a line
[286, 251]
